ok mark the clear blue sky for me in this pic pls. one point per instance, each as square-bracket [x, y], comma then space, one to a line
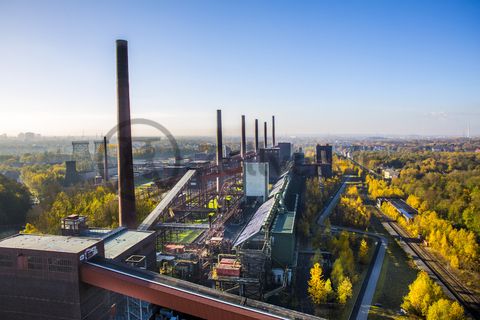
[322, 67]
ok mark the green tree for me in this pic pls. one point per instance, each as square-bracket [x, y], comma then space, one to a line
[14, 202]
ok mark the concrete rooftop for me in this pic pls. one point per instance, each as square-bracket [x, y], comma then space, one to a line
[48, 243]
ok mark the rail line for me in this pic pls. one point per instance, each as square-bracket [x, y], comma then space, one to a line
[463, 295]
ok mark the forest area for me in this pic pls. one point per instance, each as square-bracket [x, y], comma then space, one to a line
[43, 200]
[443, 188]
[447, 183]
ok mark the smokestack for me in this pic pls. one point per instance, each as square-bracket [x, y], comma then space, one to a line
[126, 188]
[273, 130]
[219, 138]
[265, 134]
[219, 149]
[256, 136]
[105, 160]
[243, 147]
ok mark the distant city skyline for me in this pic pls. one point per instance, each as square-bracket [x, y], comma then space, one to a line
[322, 68]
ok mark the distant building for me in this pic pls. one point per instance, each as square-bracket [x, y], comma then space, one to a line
[401, 206]
[28, 136]
[71, 174]
[324, 159]
[299, 158]
[285, 151]
[390, 173]
[272, 157]
[324, 154]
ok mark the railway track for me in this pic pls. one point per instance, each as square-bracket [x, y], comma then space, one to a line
[467, 298]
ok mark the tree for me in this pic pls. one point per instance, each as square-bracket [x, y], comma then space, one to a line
[30, 229]
[316, 285]
[413, 201]
[344, 290]
[363, 252]
[328, 289]
[423, 293]
[338, 273]
[14, 202]
[445, 309]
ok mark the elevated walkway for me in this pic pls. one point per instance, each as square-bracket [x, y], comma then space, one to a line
[167, 201]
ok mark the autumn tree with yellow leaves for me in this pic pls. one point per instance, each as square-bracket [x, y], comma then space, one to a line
[317, 287]
[363, 252]
[445, 309]
[344, 290]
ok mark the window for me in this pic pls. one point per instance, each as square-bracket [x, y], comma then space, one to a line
[59, 265]
[6, 261]
[34, 263]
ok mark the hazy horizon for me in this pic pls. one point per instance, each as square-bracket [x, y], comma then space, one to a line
[364, 69]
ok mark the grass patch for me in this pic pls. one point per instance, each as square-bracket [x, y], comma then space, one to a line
[184, 237]
[397, 273]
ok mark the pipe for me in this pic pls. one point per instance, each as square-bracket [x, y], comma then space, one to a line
[126, 187]
[273, 131]
[243, 147]
[256, 136]
[105, 160]
[265, 134]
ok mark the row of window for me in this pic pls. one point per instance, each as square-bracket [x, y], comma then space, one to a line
[36, 263]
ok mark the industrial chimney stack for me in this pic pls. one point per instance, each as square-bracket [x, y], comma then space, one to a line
[273, 131]
[105, 160]
[219, 138]
[126, 188]
[219, 149]
[243, 147]
[265, 134]
[256, 136]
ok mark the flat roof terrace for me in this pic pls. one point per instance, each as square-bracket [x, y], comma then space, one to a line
[50, 243]
[120, 242]
[284, 223]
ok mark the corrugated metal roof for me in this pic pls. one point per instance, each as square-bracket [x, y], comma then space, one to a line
[279, 185]
[255, 225]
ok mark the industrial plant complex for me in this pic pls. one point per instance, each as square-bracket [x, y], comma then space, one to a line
[220, 242]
